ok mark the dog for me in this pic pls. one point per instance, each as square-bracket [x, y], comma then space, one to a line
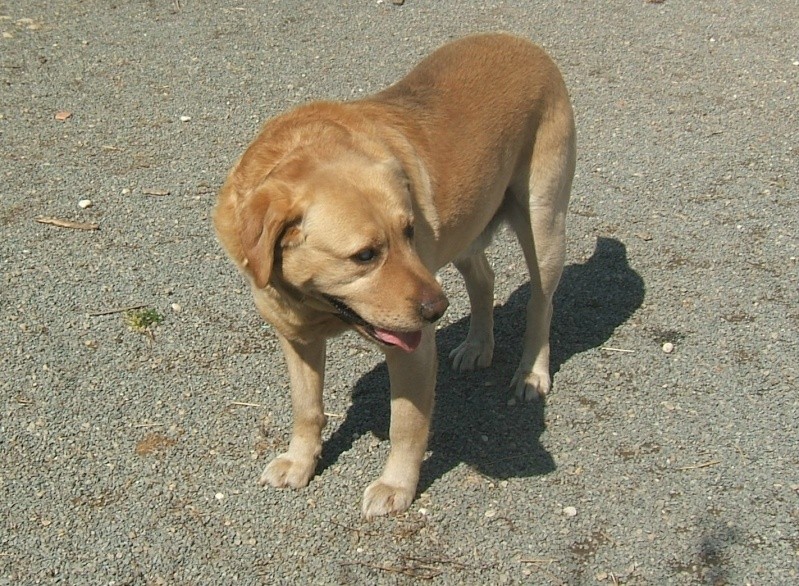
[339, 214]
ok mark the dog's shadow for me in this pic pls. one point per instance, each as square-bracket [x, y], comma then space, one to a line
[472, 422]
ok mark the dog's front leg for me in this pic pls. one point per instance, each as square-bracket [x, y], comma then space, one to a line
[306, 365]
[413, 381]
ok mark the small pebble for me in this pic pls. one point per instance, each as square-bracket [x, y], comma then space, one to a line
[126, 191]
[176, 307]
[85, 203]
[219, 496]
[185, 118]
[668, 347]
[570, 511]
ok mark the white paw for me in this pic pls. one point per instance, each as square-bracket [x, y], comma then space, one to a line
[288, 472]
[385, 499]
[471, 355]
[529, 386]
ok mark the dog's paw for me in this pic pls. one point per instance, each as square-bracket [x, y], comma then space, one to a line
[288, 472]
[385, 499]
[471, 355]
[529, 386]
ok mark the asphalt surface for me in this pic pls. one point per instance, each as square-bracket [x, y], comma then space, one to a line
[132, 458]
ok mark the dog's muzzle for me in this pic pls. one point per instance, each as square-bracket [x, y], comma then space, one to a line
[407, 341]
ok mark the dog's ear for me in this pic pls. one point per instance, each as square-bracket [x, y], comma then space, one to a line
[267, 220]
[395, 168]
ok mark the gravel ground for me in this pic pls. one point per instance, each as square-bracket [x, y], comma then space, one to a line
[132, 458]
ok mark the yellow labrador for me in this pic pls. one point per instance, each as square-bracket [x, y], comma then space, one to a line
[340, 213]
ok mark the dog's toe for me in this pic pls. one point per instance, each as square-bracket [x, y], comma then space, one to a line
[529, 386]
[471, 355]
[287, 472]
[385, 499]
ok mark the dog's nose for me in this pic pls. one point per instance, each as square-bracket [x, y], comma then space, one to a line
[432, 308]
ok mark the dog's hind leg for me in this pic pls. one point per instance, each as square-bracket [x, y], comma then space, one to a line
[477, 349]
[542, 197]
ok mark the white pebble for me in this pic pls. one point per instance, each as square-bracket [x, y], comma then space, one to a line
[422, 511]
[185, 118]
[668, 347]
[176, 307]
[126, 191]
[219, 496]
[85, 203]
[570, 511]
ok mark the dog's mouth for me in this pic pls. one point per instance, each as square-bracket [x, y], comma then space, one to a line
[407, 341]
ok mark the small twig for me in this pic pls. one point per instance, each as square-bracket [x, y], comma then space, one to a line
[243, 404]
[24, 401]
[546, 561]
[68, 223]
[542, 562]
[510, 524]
[143, 425]
[426, 563]
[158, 192]
[740, 451]
[115, 310]
[334, 415]
[428, 574]
[702, 465]
[617, 349]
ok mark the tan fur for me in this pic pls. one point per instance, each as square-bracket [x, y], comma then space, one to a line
[478, 133]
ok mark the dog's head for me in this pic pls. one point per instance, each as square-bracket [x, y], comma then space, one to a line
[339, 231]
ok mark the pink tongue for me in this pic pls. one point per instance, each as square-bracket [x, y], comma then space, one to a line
[408, 341]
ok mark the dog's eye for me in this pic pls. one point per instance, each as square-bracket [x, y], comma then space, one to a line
[408, 232]
[364, 256]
